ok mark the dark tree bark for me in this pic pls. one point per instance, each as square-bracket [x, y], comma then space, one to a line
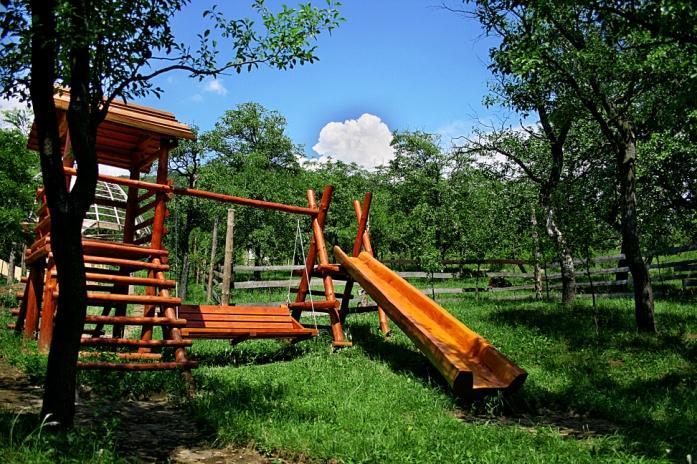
[184, 278]
[643, 292]
[557, 139]
[67, 208]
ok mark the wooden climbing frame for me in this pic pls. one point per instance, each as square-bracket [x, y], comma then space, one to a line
[135, 138]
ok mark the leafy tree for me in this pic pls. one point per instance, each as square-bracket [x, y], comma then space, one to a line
[68, 43]
[18, 168]
[256, 159]
[616, 75]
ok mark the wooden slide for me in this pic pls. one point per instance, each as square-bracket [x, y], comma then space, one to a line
[466, 360]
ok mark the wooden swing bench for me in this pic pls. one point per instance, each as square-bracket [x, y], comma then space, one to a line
[239, 323]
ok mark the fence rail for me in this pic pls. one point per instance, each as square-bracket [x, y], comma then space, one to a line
[593, 276]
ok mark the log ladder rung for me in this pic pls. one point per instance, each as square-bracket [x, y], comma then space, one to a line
[133, 320]
[142, 366]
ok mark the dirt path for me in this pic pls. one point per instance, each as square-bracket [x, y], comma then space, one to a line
[147, 431]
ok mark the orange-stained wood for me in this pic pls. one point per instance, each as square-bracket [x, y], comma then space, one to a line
[241, 322]
[363, 236]
[465, 359]
[142, 366]
[132, 342]
[134, 264]
[162, 187]
[134, 320]
[97, 297]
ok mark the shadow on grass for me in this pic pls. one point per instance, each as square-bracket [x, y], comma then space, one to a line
[221, 353]
[234, 409]
[652, 399]
[400, 358]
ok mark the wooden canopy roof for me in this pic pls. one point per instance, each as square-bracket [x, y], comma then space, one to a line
[130, 135]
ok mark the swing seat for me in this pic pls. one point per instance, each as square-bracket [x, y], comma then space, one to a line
[238, 323]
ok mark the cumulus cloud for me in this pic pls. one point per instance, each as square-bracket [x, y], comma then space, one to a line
[365, 141]
[215, 86]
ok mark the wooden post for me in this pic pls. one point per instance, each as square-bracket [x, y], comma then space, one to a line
[304, 286]
[228, 261]
[363, 239]
[211, 268]
[128, 237]
[158, 227]
[537, 277]
[318, 233]
[48, 310]
[11, 264]
[32, 300]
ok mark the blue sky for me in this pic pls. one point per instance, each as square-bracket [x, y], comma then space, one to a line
[392, 65]
[410, 63]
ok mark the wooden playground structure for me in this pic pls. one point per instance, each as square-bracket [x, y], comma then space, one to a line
[129, 293]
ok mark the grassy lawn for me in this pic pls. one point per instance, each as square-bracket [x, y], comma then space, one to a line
[596, 391]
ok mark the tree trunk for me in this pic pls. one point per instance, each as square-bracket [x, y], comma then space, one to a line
[568, 273]
[67, 208]
[184, 277]
[61, 372]
[643, 293]
[537, 272]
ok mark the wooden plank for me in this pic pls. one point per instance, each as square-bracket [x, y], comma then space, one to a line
[132, 342]
[426, 275]
[193, 324]
[239, 310]
[511, 289]
[604, 283]
[237, 332]
[134, 320]
[234, 318]
[513, 275]
[672, 264]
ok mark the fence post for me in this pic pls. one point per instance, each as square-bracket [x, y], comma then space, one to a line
[228, 263]
[11, 264]
[211, 267]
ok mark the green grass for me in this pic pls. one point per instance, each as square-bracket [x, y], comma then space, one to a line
[381, 401]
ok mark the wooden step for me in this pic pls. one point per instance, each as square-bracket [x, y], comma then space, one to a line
[143, 366]
[94, 275]
[134, 342]
[134, 320]
[225, 333]
[98, 297]
[127, 263]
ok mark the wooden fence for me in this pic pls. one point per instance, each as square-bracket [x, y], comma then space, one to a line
[506, 279]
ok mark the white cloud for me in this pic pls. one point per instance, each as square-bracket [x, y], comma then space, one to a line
[112, 171]
[215, 86]
[9, 105]
[365, 141]
[196, 98]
